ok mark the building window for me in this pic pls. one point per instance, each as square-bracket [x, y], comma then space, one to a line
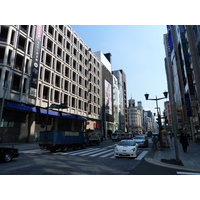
[6, 78]
[73, 89]
[74, 76]
[73, 102]
[3, 34]
[29, 48]
[27, 66]
[68, 34]
[57, 81]
[49, 45]
[67, 58]
[51, 30]
[24, 28]
[48, 60]
[59, 52]
[67, 72]
[21, 43]
[19, 62]
[56, 96]
[60, 38]
[47, 76]
[66, 99]
[66, 85]
[12, 37]
[16, 82]
[24, 86]
[68, 46]
[79, 104]
[58, 66]
[45, 92]
[2, 51]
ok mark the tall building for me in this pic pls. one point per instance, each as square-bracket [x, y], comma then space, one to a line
[123, 115]
[41, 66]
[135, 117]
[107, 93]
[182, 47]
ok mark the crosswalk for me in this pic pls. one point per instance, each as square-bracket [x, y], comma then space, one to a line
[105, 152]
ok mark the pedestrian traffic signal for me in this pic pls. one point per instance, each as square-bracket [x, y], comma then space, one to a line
[166, 122]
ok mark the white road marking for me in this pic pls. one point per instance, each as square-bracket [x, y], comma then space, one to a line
[187, 173]
[141, 155]
[103, 152]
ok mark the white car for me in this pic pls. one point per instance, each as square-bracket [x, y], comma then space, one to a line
[126, 148]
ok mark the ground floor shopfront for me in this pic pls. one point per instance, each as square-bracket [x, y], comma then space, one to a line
[22, 123]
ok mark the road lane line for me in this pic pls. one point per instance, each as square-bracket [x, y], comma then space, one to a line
[141, 155]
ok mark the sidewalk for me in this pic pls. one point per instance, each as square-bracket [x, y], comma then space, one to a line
[167, 158]
[22, 146]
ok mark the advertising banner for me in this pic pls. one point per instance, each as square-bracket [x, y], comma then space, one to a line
[188, 105]
[36, 57]
[108, 98]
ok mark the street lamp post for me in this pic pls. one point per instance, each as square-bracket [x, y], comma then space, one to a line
[158, 114]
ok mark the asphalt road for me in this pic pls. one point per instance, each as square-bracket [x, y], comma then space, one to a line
[95, 160]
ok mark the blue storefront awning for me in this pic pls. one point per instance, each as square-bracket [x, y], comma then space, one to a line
[74, 117]
[82, 118]
[20, 106]
[50, 112]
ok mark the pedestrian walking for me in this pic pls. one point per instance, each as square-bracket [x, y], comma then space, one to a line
[184, 140]
[154, 140]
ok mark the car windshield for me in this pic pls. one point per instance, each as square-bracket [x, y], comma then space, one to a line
[139, 137]
[127, 143]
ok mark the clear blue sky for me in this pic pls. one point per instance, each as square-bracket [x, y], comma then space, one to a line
[138, 50]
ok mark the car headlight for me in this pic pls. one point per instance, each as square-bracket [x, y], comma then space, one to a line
[132, 150]
[115, 149]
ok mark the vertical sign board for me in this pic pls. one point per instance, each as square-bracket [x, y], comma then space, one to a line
[36, 60]
[188, 105]
[108, 98]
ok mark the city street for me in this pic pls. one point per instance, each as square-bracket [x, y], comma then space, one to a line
[94, 160]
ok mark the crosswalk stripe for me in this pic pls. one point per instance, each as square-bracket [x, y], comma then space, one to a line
[80, 151]
[91, 152]
[95, 151]
[141, 155]
[103, 152]
[108, 154]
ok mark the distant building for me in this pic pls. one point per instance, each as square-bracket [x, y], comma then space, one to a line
[135, 117]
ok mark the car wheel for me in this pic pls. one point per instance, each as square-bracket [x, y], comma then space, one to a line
[83, 146]
[64, 148]
[8, 157]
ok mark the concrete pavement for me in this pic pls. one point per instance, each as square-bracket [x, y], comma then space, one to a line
[190, 160]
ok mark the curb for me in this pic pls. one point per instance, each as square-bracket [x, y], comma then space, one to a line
[149, 158]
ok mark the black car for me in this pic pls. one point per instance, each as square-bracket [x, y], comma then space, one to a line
[8, 153]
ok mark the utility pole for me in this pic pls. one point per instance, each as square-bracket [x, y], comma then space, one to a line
[158, 114]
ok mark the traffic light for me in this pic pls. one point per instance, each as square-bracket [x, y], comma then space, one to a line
[42, 125]
[166, 121]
